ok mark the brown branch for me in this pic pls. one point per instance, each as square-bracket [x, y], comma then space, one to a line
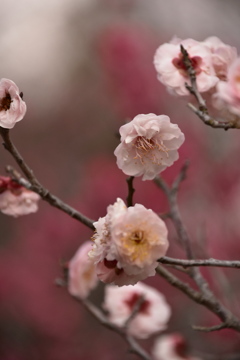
[135, 311]
[182, 233]
[131, 191]
[34, 185]
[211, 121]
[192, 75]
[204, 296]
[134, 347]
[210, 303]
[208, 262]
[211, 328]
[202, 110]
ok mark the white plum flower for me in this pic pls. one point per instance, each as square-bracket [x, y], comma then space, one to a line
[172, 72]
[153, 315]
[148, 145]
[127, 244]
[12, 107]
[82, 276]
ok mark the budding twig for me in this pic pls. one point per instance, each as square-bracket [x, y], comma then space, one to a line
[202, 110]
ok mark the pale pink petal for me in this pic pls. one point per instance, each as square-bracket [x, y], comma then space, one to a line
[82, 273]
[12, 107]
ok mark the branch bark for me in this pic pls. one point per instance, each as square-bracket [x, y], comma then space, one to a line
[33, 184]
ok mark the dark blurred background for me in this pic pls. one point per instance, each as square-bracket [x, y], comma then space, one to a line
[85, 68]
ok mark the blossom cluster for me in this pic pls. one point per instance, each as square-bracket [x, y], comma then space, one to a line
[217, 69]
[210, 59]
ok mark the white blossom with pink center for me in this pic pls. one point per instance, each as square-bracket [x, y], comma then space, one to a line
[18, 202]
[153, 314]
[171, 347]
[127, 244]
[223, 56]
[172, 72]
[227, 95]
[12, 107]
[82, 277]
[148, 145]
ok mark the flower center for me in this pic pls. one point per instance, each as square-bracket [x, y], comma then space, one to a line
[179, 64]
[5, 102]
[137, 236]
[145, 148]
[131, 302]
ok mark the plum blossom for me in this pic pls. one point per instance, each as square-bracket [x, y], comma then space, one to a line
[148, 145]
[227, 95]
[223, 56]
[82, 276]
[15, 200]
[127, 244]
[172, 72]
[171, 347]
[153, 315]
[12, 107]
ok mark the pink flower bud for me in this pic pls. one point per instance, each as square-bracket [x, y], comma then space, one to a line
[153, 314]
[12, 107]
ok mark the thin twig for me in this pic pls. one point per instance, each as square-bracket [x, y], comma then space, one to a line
[211, 328]
[133, 344]
[135, 311]
[131, 191]
[205, 295]
[134, 347]
[182, 233]
[34, 185]
[202, 110]
[211, 121]
[207, 262]
[211, 303]
[192, 75]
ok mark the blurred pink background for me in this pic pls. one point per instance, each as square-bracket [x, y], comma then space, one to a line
[85, 67]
